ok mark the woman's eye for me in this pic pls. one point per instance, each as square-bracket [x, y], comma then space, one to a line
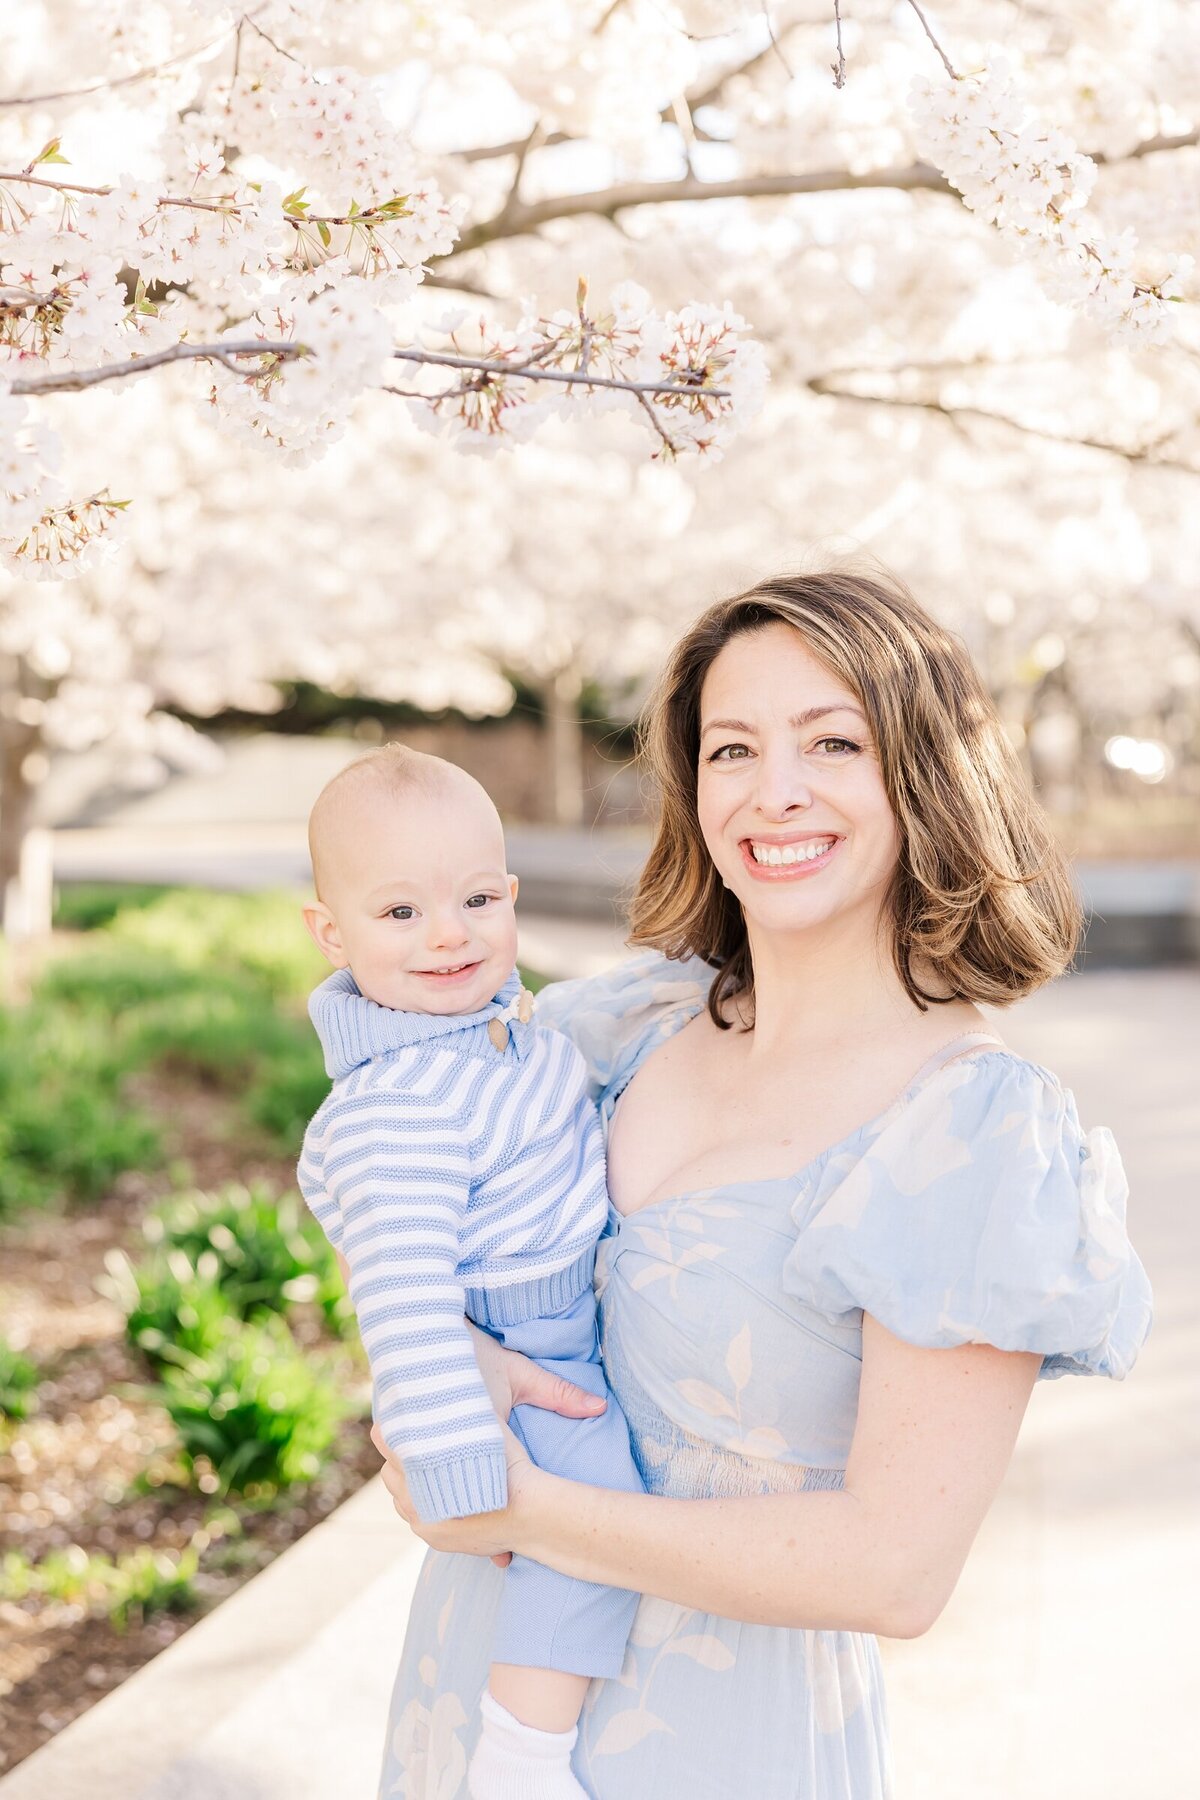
[839, 746]
[730, 753]
[401, 912]
[478, 900]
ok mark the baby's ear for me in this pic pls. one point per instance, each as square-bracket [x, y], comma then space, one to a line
[513, 885]
[323, 930]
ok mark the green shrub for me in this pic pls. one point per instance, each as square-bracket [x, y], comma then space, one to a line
[64, 1128]
[264, 1252]
[111, 978]
[217, 1032]
[287, 1088]
[171, 1309]
[86, 905]
[18, 1383]
[134, 1585]
[76, 1142]
[254, 1408]
[256, 935]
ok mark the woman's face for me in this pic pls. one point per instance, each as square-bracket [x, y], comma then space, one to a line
[789, 791]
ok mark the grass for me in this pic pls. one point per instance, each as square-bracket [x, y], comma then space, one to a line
[127, 1588]
[65, 1128]
[83, 905]
[209, 986]
[18, 1383]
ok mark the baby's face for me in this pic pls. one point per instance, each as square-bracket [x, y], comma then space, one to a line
[421, 900]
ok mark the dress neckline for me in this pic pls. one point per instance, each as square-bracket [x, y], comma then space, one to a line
[969, 1046]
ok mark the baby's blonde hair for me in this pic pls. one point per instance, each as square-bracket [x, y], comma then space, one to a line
[392, 770]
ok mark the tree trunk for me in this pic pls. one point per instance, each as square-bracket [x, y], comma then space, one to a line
[564, 745]
[24, 891]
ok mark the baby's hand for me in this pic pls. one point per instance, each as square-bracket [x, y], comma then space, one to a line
[480, 1534]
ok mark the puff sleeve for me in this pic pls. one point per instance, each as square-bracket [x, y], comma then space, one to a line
[616, 1019]
[980, 1212]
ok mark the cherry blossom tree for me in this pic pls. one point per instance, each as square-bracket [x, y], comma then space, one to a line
[968, 272]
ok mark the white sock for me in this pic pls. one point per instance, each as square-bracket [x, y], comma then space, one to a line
[517, 1762]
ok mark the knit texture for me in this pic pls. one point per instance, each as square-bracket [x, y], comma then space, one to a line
[453, 1178]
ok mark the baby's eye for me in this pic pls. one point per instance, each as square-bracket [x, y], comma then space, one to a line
[402, 912]
[730, 753]
[478, 900]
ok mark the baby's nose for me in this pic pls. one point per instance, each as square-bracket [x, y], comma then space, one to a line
[447, 928]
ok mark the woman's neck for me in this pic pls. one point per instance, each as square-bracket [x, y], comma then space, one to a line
[836, 983]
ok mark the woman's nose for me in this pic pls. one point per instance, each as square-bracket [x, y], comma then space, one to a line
[782, 787]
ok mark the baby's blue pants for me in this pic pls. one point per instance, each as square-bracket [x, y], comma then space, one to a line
[548, 1620]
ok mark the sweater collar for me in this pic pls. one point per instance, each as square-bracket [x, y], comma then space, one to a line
[353, 1029]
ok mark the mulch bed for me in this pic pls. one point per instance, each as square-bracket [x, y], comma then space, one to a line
[67, 1475]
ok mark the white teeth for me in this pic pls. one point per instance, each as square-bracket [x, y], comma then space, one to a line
[777, 854]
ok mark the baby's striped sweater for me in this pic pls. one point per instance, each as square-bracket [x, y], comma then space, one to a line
[453, 1178]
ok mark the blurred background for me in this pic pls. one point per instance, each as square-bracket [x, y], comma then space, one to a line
[181, 1392]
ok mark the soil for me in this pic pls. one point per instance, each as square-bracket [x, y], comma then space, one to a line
[94, 1465]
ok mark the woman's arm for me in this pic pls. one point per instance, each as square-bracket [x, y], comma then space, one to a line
[934, 1435]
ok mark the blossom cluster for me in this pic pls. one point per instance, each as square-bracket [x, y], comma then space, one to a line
[42, 532]
[692, 377]
[1034, 185]
[286, 222]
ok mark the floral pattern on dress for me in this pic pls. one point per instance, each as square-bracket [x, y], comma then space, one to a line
[975, 1209]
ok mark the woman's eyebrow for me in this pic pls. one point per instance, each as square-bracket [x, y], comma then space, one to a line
[799, 720]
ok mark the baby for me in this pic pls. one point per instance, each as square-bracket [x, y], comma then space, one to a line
[457, 1168]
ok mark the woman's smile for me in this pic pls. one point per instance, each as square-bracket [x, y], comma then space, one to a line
[793, 858]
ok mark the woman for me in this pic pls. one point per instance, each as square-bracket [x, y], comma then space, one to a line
[850, 1228]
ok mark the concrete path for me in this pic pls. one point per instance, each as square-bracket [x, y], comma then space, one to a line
[1064, 1667]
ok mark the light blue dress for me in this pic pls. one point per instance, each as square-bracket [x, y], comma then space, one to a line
[974, 1209]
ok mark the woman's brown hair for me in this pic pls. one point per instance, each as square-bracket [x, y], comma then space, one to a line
[982, 903]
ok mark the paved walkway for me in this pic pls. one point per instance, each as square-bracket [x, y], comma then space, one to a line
[1064, 1668]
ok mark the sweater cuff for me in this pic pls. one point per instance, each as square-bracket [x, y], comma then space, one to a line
[454, 1489]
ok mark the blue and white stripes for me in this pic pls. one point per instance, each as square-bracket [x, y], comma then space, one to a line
[453, 1179]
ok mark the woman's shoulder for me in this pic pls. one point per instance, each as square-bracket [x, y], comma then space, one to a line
[615, 1019]
[978, 1209]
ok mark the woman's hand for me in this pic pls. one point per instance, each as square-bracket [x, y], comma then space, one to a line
[511, 1380]
[482, 1534]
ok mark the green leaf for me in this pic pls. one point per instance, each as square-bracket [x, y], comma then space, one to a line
[49, 153]
[324, 233]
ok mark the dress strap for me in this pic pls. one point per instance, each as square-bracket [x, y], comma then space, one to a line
[969, 1040]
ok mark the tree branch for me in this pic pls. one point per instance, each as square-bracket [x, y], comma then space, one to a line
[708, 95]
[775, 45]
[605, 202]
[839, 67]
[1183, 140]
[117, 81]
[1144, 453]
[531, 371]
[69, 381]
[947, 64]
[513, 198]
